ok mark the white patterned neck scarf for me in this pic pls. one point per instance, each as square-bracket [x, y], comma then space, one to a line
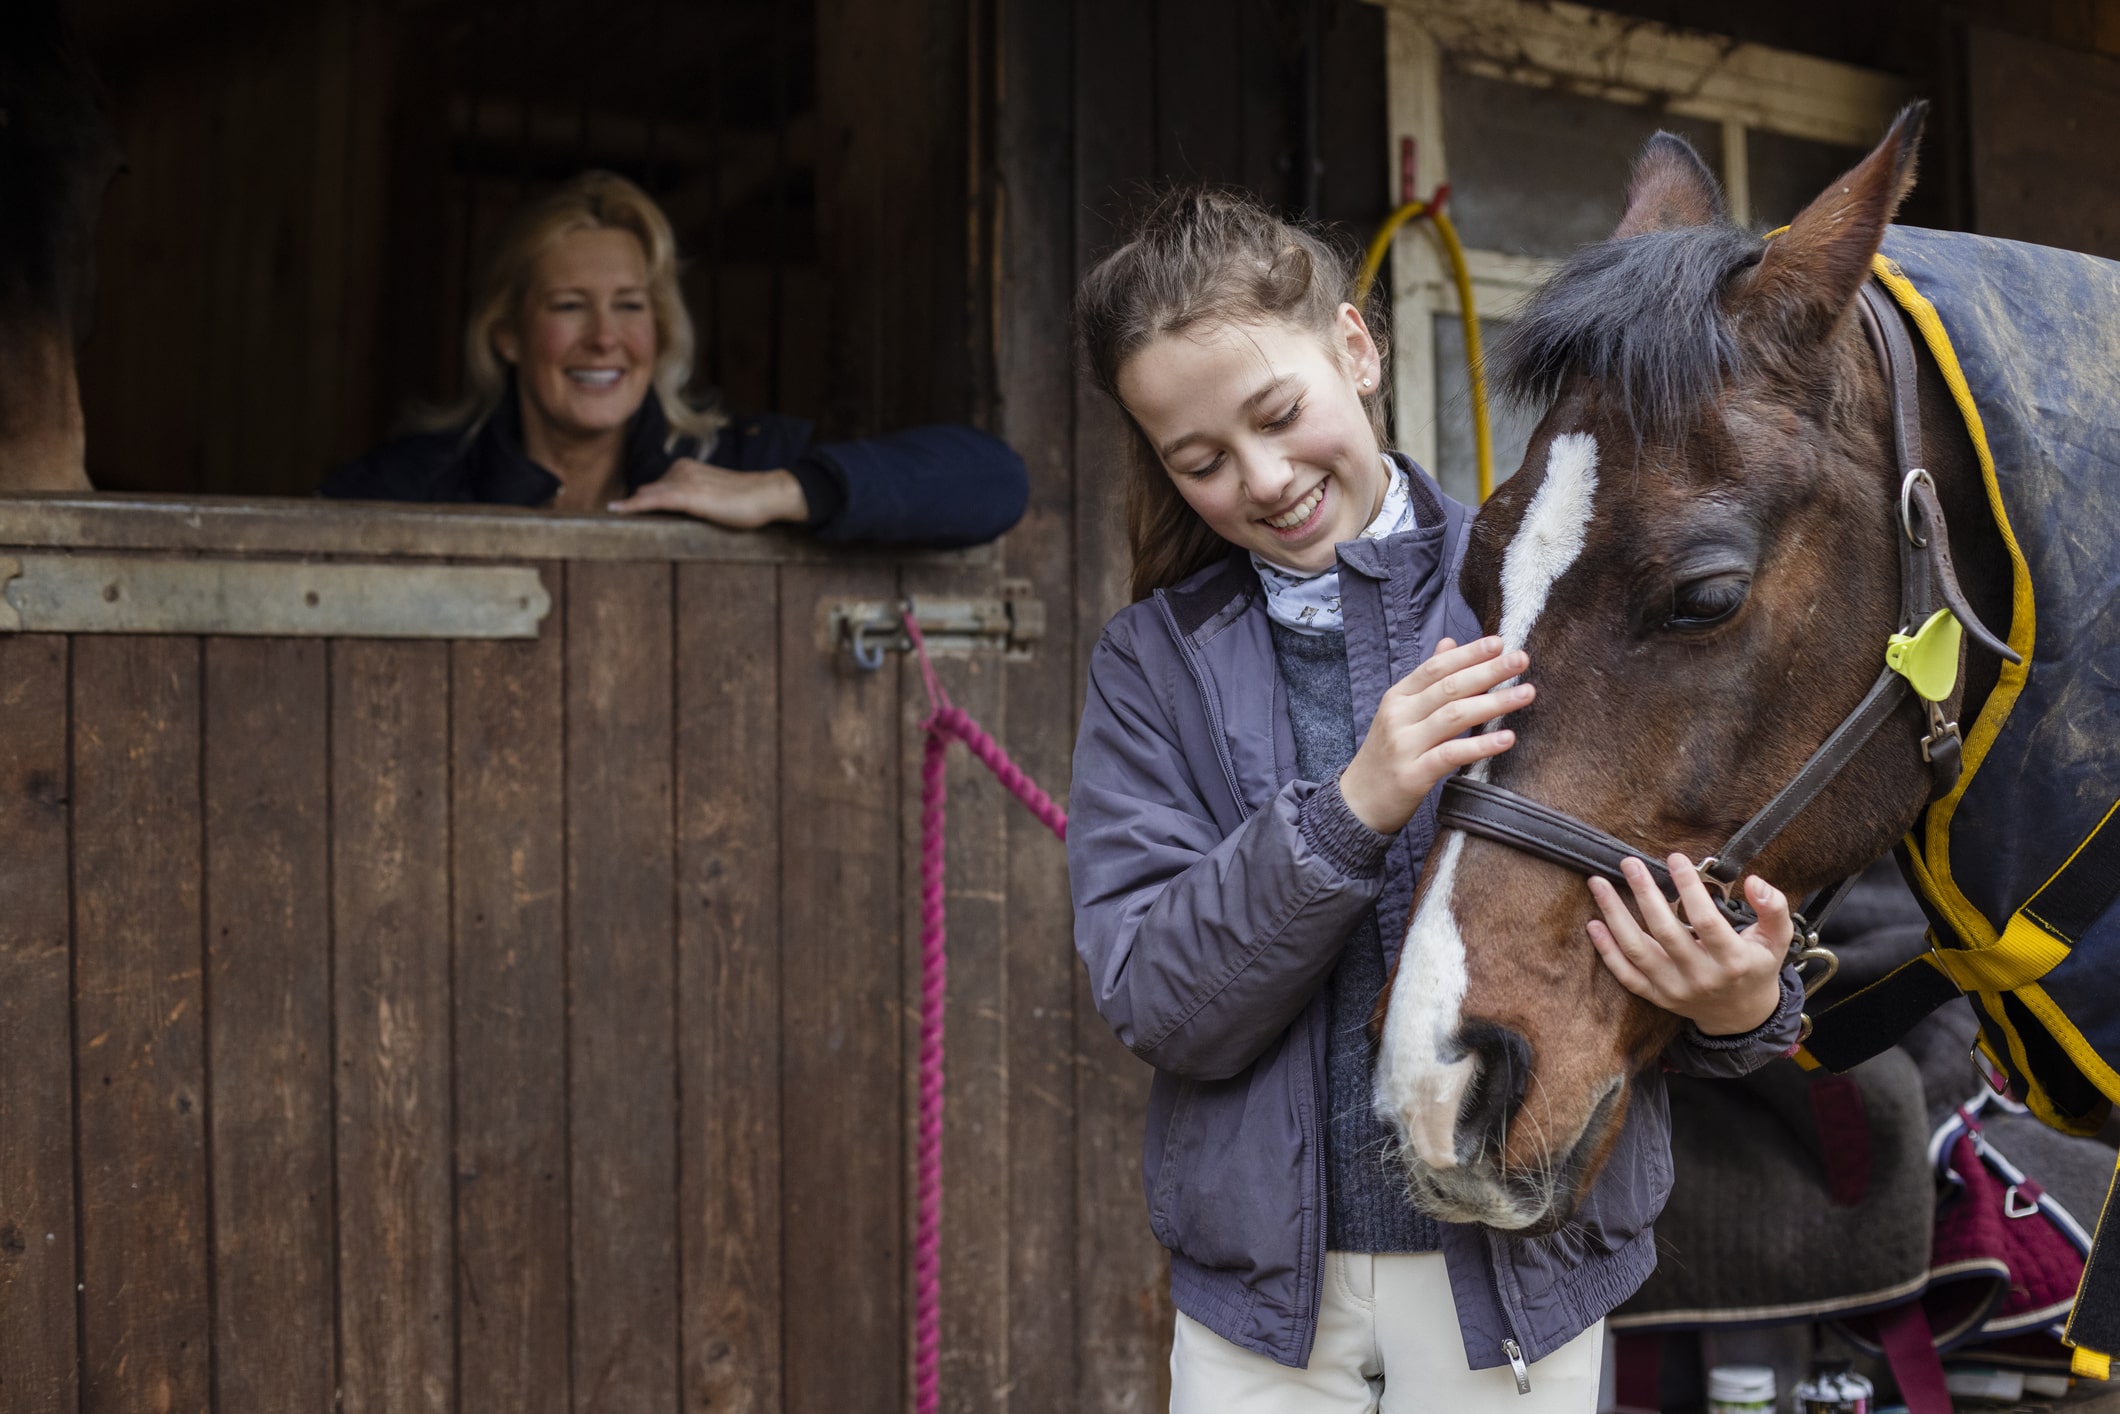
[1311, 603]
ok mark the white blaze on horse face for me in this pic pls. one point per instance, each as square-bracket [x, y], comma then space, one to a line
[1422, 1071]
[1418, 1087]
[1551, 535]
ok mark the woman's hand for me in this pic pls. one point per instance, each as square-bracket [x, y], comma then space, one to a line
[740, 500]
[1414, 739]
[1723, 981]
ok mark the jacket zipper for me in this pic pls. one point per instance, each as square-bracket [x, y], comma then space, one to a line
[1517, 1366]
[1318, 1180]
[1211, 701]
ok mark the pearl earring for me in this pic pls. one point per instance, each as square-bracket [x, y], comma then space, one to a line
[1365, 382]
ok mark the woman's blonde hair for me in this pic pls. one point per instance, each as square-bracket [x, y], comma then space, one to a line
[1200, 257]
[592, 201]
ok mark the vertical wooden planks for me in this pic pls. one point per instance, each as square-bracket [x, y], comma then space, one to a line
[621, 986]
[268, 1039]
[976, 1309]
[38, 1373]
[390, 926]
[507, 854]
[1036, 375]
[1354, 119]
[139, 1025]
[892, 227]
[1121, 1277]
[1199, 123]
[729, 980]
[841, 1010]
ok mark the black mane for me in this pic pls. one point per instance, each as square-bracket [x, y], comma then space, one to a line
[1644, 315]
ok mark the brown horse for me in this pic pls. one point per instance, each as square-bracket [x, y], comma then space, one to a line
[56, 157]
[1699, 555]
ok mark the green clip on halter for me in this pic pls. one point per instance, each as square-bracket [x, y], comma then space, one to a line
[1923, 657]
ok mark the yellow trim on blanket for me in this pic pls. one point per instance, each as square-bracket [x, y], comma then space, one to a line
[1971, 925]
[2066, 1035]
[2024, 954]
[2089, 1363]
[2020, 1066]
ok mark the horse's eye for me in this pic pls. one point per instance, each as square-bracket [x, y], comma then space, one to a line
[1707, 601]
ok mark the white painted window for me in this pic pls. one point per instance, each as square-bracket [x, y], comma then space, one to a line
[1533, 113]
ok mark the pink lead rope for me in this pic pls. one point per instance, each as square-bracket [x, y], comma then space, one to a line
[944, 721]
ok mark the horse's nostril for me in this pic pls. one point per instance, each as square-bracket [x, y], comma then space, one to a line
[1498, 1087]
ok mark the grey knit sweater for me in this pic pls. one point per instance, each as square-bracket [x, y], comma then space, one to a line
[1366, 1208]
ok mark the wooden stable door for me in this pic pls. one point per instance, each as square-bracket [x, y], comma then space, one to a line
[514, 1023]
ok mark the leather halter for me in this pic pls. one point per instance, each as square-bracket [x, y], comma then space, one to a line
[1925, 573]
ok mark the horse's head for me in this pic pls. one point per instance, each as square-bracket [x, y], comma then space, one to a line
[1697, 556]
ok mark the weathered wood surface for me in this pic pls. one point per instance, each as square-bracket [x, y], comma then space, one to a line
[843, 1010]
[278, 527]
[730, 976]
[519, 1025]
[37, 1212]
[140, 1064]
[1035, 377]
[622, 987]
[390, 885]
[507, 762]
[268, 1022]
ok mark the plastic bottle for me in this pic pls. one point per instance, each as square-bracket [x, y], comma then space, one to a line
[1741, 1389]
[1835, 1388]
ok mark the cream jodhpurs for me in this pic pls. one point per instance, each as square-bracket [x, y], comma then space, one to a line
[1387, 1341]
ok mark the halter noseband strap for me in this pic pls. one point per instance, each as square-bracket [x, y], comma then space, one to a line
[1925, 571]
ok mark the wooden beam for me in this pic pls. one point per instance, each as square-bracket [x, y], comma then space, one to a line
[299, 527]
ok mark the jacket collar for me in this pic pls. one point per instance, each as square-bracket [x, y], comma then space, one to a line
[1373, 559]
[501, 472]
[1210, 598]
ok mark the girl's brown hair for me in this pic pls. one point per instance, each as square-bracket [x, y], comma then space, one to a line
[1201, 257]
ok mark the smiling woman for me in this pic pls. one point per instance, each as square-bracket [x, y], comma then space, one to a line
[577, 357]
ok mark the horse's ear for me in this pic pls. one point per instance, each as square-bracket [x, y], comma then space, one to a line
[1671, 187]
[1811, 272]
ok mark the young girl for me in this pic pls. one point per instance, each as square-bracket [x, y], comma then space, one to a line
[1253, 793]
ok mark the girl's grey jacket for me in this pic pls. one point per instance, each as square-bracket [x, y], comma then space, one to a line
[1213, 891]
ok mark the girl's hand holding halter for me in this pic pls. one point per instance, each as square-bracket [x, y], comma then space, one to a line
[1723, 981]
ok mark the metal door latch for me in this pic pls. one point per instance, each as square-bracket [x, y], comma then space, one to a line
[1009, 624]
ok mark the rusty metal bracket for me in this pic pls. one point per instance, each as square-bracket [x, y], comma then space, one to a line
[1009, 624]
[62, 593]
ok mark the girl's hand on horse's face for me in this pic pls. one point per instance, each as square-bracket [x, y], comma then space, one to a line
[1723, 981]
[1415, 738]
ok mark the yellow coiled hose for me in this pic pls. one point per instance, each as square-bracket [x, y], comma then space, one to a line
[1379, 246]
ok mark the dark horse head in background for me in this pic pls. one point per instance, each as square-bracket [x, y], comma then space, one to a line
[1699, 555]
[56, 157]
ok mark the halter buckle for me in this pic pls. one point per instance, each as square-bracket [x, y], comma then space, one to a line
[1941, 732]
[1906, 503]
[1726, 887]
[1811, 952]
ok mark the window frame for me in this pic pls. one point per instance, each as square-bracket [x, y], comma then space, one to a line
[1597, 54]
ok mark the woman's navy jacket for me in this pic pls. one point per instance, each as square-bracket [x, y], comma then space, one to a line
[941, 485]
